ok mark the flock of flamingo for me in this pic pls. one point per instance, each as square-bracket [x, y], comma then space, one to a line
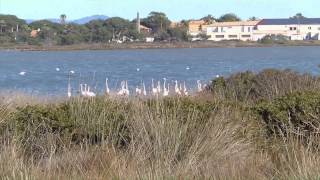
[157, 89]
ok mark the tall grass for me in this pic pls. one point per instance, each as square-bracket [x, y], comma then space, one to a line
[220, 134]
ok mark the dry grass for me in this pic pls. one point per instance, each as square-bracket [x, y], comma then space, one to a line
[163, 144]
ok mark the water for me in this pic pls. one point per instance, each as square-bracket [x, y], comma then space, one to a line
[46, 73]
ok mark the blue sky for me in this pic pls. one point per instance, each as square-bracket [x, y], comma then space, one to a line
[175, 9]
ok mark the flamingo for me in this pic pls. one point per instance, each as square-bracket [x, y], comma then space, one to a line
[124, 91]
[165, 90]
[154, 90]
[121, 91]
[85, 91]
[144, 89]
[69, 87]
[81, 89]
[185, 91]
[199, 86]
[127, 92]
[107, 87]
[176, 88]
[159, 87]
[82, 92]
[90, 93]
[138, 91]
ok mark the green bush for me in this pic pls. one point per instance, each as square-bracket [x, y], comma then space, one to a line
[271, 39]
[267, 84]
[296, 113]
[36, 126]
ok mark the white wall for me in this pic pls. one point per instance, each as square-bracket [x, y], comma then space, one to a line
[295, 31]
[243, 33]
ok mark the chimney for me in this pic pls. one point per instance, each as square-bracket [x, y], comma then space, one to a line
[138, 22]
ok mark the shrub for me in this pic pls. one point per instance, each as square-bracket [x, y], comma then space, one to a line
[268, 84]
[297, 113]
[38, 128]
[270, 39]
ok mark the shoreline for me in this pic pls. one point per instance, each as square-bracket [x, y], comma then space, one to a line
[157, 45]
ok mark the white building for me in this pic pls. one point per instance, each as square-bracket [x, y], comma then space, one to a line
[294, 29]
[149, 39]
[238, 30]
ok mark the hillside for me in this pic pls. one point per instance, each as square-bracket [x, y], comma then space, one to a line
[83, 20]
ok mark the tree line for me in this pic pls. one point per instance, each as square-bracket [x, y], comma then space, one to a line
[15, 30]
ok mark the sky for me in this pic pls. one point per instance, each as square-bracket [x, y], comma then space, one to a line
[175, 9]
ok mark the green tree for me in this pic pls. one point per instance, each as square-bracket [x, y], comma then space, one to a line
[157, 21]
[12, 28]
[209, 19]
[298, 16]
[48, 30]
[63, 18]
[253, 18]
[122, 27]
[230, 17]
[12, 21]
[178, 33]
[98, 32]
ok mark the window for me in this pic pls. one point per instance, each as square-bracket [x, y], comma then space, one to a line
[246, 36]
[215, 30]
[219, 36]
[242, 29]
[249, 29]
[295, 28]
[233, 36]
[319, 28]
[255, 28]
[291, 28]
[309, 28]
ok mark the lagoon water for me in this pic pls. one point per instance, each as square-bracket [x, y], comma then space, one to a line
[46, 73]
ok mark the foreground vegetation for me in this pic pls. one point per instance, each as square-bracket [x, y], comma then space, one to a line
[247, 126]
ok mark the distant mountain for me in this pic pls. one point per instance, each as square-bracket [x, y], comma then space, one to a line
[32, 20]
[90, 18]
[29, 20]
[77, 21]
